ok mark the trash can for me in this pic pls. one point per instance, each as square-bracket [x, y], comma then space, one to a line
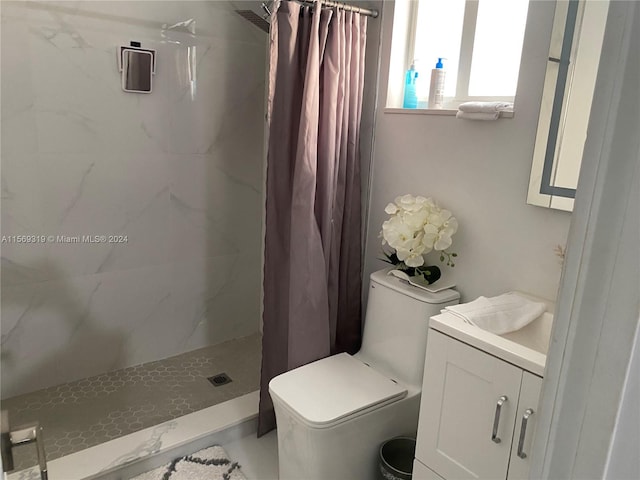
[396, 459]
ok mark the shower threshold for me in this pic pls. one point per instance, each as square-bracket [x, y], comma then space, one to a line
[138, 452]
[89, 412]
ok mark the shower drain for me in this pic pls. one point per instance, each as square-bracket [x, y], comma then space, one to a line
[220, 379]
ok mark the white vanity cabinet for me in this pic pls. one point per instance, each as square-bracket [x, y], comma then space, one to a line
[477, 413]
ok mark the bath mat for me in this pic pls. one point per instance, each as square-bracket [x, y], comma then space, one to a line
[209, 464]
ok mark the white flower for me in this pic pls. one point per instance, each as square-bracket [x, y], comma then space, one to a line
[416, 227]
[414, 260]
[396, 233]
[443, 242]
[391, 209]
[415, 220]
[451, 226]
[412, 256]
[430, 236]
[437, 238]
[427, 202]
[405, 200]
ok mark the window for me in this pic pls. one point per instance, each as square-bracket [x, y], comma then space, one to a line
[481, 41]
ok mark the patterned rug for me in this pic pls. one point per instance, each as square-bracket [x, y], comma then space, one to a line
[209, 464]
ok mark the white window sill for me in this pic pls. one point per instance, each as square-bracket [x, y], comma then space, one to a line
[427, 111]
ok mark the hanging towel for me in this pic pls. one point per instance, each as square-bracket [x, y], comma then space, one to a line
[477, 115]
[502, 314]
[486, 107]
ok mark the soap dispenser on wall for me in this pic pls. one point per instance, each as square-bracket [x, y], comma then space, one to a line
[410, 94]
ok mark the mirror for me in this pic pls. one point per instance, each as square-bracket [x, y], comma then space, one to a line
[137, 68]
[572, 68]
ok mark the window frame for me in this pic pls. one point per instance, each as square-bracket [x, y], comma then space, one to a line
[469, 23]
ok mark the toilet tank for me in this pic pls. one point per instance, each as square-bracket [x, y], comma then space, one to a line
[396, 325]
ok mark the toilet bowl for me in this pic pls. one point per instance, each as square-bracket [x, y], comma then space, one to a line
[333, 414]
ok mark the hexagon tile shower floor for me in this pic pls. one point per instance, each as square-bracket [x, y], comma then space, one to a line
[87, 412]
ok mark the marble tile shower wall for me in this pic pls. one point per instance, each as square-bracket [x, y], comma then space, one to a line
[178, 172]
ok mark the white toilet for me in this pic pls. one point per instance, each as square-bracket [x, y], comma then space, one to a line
[333, 414]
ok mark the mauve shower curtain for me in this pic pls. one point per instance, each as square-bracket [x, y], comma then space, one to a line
[312, 271]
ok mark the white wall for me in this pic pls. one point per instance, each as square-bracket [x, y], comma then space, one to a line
[480, 171]
[178, 171]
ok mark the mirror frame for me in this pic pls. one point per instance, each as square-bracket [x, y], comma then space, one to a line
[564, 62]
[557, 107]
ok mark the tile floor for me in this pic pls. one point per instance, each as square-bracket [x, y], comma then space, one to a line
[87, 412]
[258, 457]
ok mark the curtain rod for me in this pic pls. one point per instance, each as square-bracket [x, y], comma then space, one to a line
[343, 6]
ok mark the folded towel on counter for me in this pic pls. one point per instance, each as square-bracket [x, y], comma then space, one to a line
[502, 314]
[486, 107]
[477, 115]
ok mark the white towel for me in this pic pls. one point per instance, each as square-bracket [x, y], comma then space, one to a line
[477, 115]
[486, 107]
[502, 314]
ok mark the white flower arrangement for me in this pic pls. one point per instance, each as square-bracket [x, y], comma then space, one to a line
[416, 227]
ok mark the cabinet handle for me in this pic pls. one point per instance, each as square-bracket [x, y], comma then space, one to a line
[496, 420]
[523, 432]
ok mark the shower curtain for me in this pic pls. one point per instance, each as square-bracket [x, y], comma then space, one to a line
[312, 270]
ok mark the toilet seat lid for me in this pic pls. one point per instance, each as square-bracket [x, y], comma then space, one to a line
[329, 391]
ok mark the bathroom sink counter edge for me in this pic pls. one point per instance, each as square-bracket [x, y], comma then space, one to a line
[525, 348]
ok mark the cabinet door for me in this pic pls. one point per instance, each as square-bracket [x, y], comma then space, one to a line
[525, 427]
[461, 390]
[420, 472]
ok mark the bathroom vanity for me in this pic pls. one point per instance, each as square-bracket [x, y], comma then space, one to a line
[479, 400]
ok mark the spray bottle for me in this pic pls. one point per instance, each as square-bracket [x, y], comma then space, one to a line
[436, 89]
